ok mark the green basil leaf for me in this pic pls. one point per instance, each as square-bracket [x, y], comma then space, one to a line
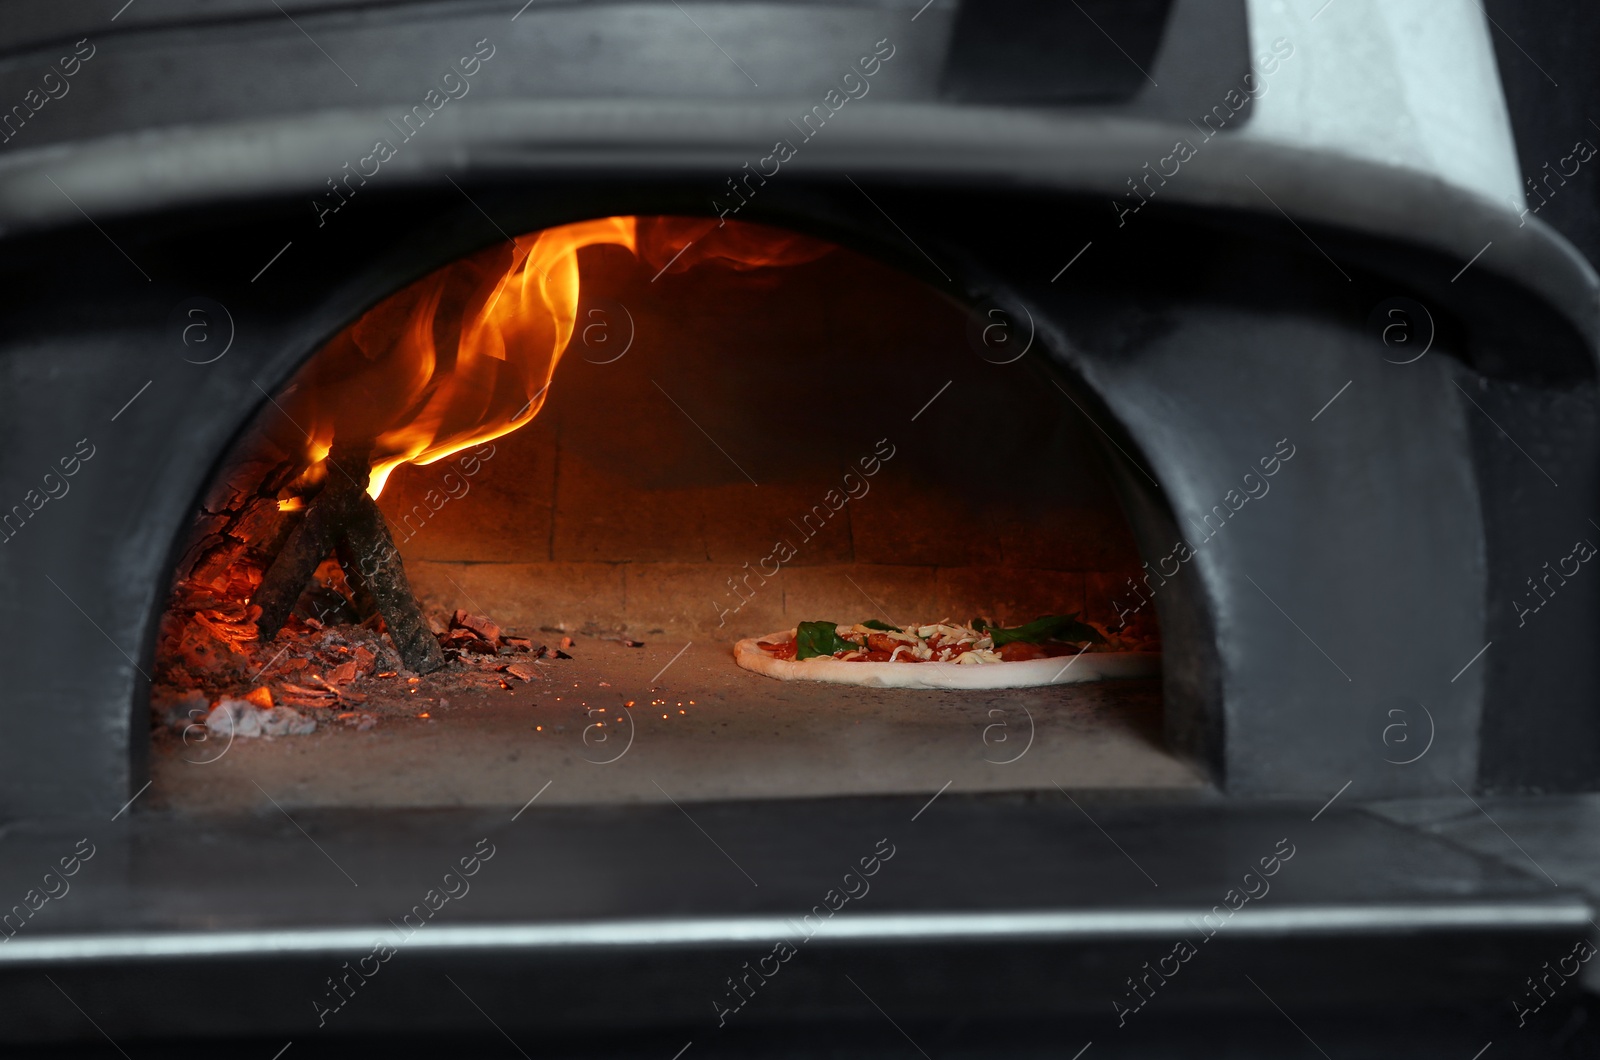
[873, 623]
[819, 639]
[1050, 627]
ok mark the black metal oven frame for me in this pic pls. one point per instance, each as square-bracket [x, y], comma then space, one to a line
[1218, 320]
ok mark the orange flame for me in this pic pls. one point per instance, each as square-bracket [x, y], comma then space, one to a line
[467, 353]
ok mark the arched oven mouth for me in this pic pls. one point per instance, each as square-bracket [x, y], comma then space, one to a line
[567, 499]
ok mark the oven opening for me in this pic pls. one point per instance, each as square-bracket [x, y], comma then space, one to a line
[578, 506]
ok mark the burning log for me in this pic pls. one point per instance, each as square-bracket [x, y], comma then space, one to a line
[342, 519]
[361, 596]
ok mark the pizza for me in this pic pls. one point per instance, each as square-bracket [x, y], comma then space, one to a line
[1054, 649]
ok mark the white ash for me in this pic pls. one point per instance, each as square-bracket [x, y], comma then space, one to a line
[238, 717]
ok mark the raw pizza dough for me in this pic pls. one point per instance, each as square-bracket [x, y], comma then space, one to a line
[1072, 669]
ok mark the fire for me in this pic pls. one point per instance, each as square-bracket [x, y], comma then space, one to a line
[467, 353]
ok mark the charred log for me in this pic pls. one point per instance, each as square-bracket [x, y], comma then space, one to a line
[360, 594]
[379, 567]
[342, 519]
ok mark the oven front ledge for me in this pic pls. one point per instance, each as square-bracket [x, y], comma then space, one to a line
[1568, 914]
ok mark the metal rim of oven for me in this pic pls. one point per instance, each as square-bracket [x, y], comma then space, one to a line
[151, 171]
[882, 928]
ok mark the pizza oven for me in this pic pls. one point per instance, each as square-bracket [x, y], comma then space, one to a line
[410, 409]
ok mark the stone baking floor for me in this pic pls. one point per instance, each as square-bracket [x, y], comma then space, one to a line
[704, 730]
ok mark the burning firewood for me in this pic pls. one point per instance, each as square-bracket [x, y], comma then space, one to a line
[343, 517]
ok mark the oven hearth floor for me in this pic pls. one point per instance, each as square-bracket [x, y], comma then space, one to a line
[727, 733]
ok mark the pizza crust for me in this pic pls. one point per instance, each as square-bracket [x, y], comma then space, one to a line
[949, 676]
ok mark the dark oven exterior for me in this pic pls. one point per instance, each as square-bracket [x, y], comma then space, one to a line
[1263, 308]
